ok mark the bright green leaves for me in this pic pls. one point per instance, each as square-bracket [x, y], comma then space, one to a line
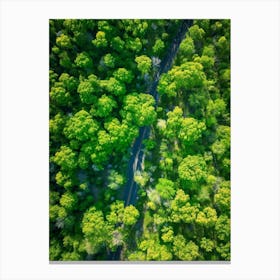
[196, 33]
[123, 75]
[100, 40]
[181, 209]
[95, 230]
[104, 107]
[167, 85]
[115, 87]
[69, 200]
[185, 251]
[134, 45]
[60, 95]
[186, 49]
[64, 42]
[165, 188]
[81, 127]
[153, 251]
[130, 216]
[121, 134]
[187, 76]
[222, 144]
[65, 158]
[109, 60]
[97, 70]
[119, 214]
[83, 60]
[222, 198]
[116, 180]
[207, 217]
[88, 88]
[158, 47]
[222, 228]
[207, 244]
[191, 130]
[139, 109]
[144, 64]
[192, 170]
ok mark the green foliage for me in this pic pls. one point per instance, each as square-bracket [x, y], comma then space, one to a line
[207, 244]
[123, 75]
[192, 169]
[165, 188]
[83, 60]
[207, 217]
[88, 88]
[181, 208]
[65, 158]
[63, 41]
[222, 228]
[69, 200]
[100, 40]
[95, 229]
[139, 109]
[81, 127]
[105, 105]
[116, 180]
[185, 251]
[131, 215]
[125, 106]
[144, 63]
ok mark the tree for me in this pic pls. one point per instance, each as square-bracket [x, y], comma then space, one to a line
[69, 200]
[64, 42]
[181, 208]
[60, 95]
[139, 109]
[123, 75]
[121, 134]
[65, 158]
[88, 88]
[207, 217]
[192, 170]
[144, 64]
[185, 251]
[158, 47]
[154, 251]
[131, 215]
[222, 228]
[104, 107]
[191, 130]
[115, 87]
[116, 180]
[207, 244]
[165, 188]
[222, 199]
[83, 60]
[167, 234]
[81, 127]
[96, 231]
[109, 60]
[100, 40]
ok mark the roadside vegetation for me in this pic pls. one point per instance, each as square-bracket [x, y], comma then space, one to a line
[101, 72]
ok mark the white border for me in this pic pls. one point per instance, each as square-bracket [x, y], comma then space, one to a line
[24, 138]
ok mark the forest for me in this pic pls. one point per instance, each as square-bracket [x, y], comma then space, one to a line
[139, 140]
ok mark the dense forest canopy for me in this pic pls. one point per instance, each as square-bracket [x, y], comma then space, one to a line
[139, 147]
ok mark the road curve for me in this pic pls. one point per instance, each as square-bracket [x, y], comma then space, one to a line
[137, 151]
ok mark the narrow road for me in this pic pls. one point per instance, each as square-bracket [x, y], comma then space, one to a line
[137, 155]
[137, 152]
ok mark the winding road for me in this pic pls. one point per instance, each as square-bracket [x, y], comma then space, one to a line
[137, 154]
[137, 151]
